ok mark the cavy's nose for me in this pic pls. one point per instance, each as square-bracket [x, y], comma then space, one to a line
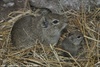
[63, 26]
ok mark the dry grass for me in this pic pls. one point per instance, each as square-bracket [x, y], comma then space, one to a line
[43, 56]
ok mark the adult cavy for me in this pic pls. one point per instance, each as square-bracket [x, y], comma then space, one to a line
[72, 43]
[46, 29]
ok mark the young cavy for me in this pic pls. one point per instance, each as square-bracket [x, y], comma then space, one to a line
[72, 43]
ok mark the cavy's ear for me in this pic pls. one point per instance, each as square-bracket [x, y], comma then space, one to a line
[44, 23]
[70, 34]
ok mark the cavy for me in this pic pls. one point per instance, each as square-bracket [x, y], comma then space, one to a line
[72, 43]
[44, 28]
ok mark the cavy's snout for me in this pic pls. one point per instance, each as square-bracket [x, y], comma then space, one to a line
[63, 26]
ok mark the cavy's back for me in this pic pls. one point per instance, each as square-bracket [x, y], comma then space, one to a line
[21, 33]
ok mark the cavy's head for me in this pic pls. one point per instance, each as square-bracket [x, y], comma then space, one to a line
[75, 37]
[54, 21]
[52, 25]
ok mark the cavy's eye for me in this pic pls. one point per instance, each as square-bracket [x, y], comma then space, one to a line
[55, 21]
[78, 36]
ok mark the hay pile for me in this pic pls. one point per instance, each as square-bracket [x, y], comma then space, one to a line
[43, 56]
